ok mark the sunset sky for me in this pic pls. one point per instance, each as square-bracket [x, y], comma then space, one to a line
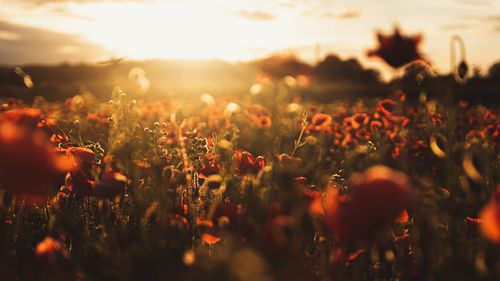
[53, 31]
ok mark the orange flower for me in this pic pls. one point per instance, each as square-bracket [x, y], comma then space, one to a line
[210, 239]
[378, 197]
[397, 50]
[24, 117]
[490, 217]
[320, 123]
[49, 248]
[209, 166]
[359, 119]
[79, 180]
[28, 163]
[375, 125]
[263, 122]
[245, 163]
[384, 107]
[81, 155]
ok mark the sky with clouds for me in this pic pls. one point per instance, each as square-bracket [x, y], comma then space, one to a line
[52, 31]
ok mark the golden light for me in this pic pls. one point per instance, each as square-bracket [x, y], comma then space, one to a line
[169, 30]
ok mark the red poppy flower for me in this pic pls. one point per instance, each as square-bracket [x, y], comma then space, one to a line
[225, 214]
[385, 107]
[79, 180]
[375, 125]
[363, 134]
[245, 163]
[28, 163]
[209, 166]
[28, 117]
[263, 122]
[49, 248]
[397, 50]
[378, 196]
[359, 119]
[490, 216]
[320, 122]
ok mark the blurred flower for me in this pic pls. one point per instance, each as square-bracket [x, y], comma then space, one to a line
[490, 216]
[210, 239]
[375, 125]
[51, 262]
[231, 108]
[378, 196]
[258, 115]
[320, 122]
[28, 163]
[245, 163]
[81, 155]
[209, 166]
[359, 119]
[111, 186]
[397, 50]
[28, 117]
[256, 89]
[207, 99]
[49, 248]
[80, 180]
[384, 107]
[100, 117]
[225, 214]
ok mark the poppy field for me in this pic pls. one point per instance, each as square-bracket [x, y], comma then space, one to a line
[262, 187]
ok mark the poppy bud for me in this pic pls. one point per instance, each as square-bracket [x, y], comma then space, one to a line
[462, 70]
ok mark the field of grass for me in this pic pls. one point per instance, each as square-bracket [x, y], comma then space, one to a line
[265, 186]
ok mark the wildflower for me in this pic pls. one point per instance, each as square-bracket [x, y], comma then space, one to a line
[384, 107]
[112, 186]
[378, 196]
[101, 117]
[319, 123]
[490, 216]
[210, 166]
[245, 163]
[225, 214]
[210, 239]
[49, 248]
[29, 163]
[79, 180]
[375, 125]
[28, 117]
[397, 50]
[359, 119]
[263, 122]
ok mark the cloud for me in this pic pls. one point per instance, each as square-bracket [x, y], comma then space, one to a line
[344, 15]
[21, 44]
[63, 11]
[474, 2]
[489, 21]
[44, 2]
[255, 15]
[456, 26]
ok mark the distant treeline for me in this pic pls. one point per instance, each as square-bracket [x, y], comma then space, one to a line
[331, 78]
